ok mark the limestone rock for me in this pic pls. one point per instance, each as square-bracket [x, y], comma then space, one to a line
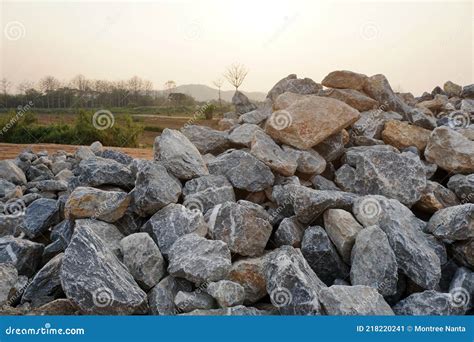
[452, 89]
[372, 122]
[463, 187]
[86, 202]
[8, 279]
[453, 223]
[39, 216]
[180, 157]
[435, 197]
[206, 140]
[378, 88]
[11, 172]
[289, 232]
[303, 121]
[196, 300]
[25, 255]
[450, 150]
[227, 293]
[402, 135]
[430, 303]
[161, 297]
[243, 134]
[199, 260]
[95, 280]
[203, 193]
[242, 103]
[172, 222]
[373, 262]
[292, 84]
[354, 300]
[143, 259]
[352, 97]
[243, 170]
[345, 79]
[249, 273]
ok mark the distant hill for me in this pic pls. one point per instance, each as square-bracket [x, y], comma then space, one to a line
[203, 92]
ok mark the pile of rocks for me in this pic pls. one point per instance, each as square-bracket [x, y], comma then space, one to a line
[340, 198]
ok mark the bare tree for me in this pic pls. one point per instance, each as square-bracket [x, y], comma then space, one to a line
[218, 83]
[24, 86]
[170, 86]
[49, 84]
[236, 74]
[4, 87]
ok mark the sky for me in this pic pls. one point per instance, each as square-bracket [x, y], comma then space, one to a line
[417, 45]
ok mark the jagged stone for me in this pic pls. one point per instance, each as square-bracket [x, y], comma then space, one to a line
[8, 279]
[453, 223]
[435, 197]
[378, 88]
[25, 255]
[372, 122]
[206, 140]
[39, 216]
[9, 171]
[227, 293]
[289, 232]
[242, 103]
[161, 297]
[292, 84]
[243, 134]
[203, 193]
[345, 79]
[463, 187]
[352, 97]
[402, 135]
[196, 300]
[249, 273]
[429, 302]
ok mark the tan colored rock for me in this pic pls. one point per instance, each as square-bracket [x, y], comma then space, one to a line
[342, 229]
[435, 197]
[401, 135]
[249, 273]
[435, 105]
[342, 79]
[86, 202]
[452, 89]
[450, 150]
[353, 98]
[303, 121]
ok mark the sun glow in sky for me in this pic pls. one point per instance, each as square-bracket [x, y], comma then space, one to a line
[416, 45]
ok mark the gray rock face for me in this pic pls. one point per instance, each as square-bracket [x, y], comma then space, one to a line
[266, 150]
[453, 223]
[292, 84]
[199, 260]
[243, 226]
[6, 187]
[11, 172]
[322, 256]
[321, 183]
[293, 286]
[196, 300]
[249, 273]
[180, 157]
[143, 259]
[331, 148]
[463, 187]
[376, 172]
[413, 250]
[205, 192]
[118, 156]
[373, 262]
[289, 232]
[353, 300]
[239, 310]
[161, 297]
[371, 123]
[172, 222]
[107, 232]
[242, 103]
[342, 229]
[227, 293]
[468, 91]
[378, 88]
[243, 134]
[154, 189]
[101, 171]
[95, 280]
[436, 197]
[462, 288]
[307, 161]
[25, 255]
[429, 302]
[450, 150]
[207, 140]
[46, 285]
[39, 216]
[86, 202]
[255, 117]
[243, 170]
[8, 279]
[309, 204]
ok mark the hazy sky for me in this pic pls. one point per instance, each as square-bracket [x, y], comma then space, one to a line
[417, 45]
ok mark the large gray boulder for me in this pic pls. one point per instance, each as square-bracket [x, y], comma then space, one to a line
[203, 193]
[293, 84]
[10, 172]
[453, 223]
[25, 255]
[95, 280]
[291, 283]
[227, 293]
[428, 303]
[199, 260]
[206, 139]
[8, 280]
[39, 216]
[143, 259]
[244, 226]
[154, 189]
[172, 222]
[242, 103]
[322, 256]
[374, 263]
[161, 298]
[243, 135]
[243, 170]
[353, 300]
[463, 187]
[373, 171]
[413, 249]
[178, 155]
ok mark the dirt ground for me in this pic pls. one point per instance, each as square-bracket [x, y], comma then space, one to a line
[10, 151]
